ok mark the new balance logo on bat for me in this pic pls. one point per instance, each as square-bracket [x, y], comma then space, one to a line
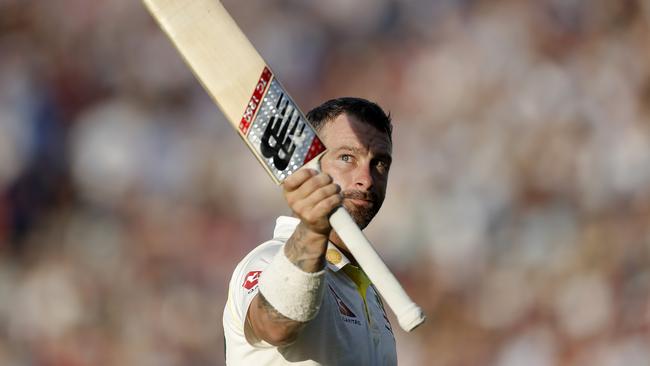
[282, 134]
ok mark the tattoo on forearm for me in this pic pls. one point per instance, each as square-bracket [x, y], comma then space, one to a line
[301, 254]
[293, 250]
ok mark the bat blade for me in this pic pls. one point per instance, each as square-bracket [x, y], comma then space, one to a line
[240, 82]
[266, 118]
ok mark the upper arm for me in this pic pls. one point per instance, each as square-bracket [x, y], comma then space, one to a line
[244, 287]
[248, 308]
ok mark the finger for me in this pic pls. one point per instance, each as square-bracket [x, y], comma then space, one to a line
[318, 215]
[326, 206]
[296, 179]
[306, 204]
[323, 193]
[313, 184]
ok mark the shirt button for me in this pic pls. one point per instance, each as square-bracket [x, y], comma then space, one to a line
[333, 256]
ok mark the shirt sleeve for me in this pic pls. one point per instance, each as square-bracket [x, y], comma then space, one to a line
[244, 282]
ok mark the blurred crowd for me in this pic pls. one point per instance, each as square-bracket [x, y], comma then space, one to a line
[518, 209]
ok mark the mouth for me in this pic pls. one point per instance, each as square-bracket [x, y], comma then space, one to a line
[362, 205]
[359, 198]
[360, 202]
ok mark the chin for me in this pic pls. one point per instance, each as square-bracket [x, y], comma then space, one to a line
[361, 215]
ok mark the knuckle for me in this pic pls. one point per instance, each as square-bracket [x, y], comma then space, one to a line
[316, 186]
[335, 188]
[321, 179]
[326, 191]
[327, 179]
[322, 193]
[332, 190]
[289, 184]
[297, 208]
[336, 200]
[297, 179]
[292, 200]
[311, 184]
[310, 218]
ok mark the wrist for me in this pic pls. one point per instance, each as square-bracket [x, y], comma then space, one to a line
[306, 249]
[291, 291]
[311, 236]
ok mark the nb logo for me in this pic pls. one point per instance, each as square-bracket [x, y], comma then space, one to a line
[282, 134]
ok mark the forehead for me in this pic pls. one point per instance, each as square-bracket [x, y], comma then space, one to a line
[347, 130]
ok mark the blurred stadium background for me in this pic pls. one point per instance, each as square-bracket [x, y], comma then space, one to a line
[518, 211]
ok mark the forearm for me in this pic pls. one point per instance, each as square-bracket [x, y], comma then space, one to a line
[305, 250]
[267, 324]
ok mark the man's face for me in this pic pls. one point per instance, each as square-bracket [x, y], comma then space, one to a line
[358, 159]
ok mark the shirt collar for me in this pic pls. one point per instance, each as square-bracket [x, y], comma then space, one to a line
[286, 225]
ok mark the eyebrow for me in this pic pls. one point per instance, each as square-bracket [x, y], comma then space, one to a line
[353, 149]
[357, 150]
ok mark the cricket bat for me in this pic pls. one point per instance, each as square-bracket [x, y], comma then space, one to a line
[266, 118]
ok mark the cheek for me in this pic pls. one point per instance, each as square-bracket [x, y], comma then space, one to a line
[381, 183]
[340, 178]
[327, 166]
[381, 192]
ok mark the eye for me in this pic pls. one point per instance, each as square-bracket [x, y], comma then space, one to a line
[346, 158]
[382, 166]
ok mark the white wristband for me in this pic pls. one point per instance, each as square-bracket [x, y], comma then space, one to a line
[292, 292]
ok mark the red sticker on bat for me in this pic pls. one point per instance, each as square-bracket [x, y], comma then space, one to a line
[254, 102]
[315, 148]
[251, 279]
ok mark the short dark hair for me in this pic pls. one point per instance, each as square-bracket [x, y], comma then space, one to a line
[364, 110]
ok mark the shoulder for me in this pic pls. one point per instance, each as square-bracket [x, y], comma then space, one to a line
[252, 265]
[261, 255]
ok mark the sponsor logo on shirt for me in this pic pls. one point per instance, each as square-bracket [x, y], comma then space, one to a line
[347, 315]
[251, 279]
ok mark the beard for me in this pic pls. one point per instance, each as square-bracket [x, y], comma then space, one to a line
[362, 214]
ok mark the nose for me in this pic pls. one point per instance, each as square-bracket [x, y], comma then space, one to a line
[363, 177]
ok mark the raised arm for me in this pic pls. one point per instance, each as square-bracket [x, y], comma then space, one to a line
[290, 302]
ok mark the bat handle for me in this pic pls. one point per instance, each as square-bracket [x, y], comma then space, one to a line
[409, 314]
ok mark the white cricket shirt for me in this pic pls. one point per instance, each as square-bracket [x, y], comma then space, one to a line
[346, 331]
